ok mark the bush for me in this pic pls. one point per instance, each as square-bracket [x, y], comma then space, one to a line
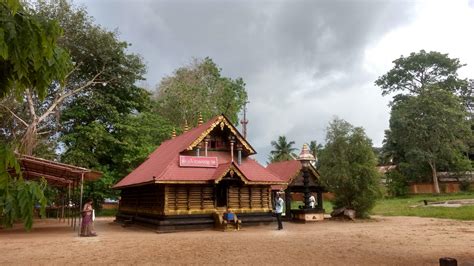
[348, 168]
[397, 184]
[465, 185]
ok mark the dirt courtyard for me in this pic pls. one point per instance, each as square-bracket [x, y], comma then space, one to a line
[383, 240]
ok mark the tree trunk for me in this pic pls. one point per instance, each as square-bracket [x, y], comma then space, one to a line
[29, 140]
[435, 177]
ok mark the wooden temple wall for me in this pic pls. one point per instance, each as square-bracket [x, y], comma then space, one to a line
[153, 200]
[199, 199]
[189, 199]
[249, 198]
[148, 200]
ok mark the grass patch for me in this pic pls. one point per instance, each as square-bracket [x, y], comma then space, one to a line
[401, 207]
[107, 212]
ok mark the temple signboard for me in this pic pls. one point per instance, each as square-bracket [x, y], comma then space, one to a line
[194, 161]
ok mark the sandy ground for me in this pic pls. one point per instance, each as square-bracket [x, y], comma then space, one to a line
[383, 240]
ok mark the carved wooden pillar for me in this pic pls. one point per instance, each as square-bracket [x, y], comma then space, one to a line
[320, 199]
[239, 153]
[232, 142]
[288, 203]
[206, 143]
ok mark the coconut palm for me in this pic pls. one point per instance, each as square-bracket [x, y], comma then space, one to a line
[282, 150]
[315, 149]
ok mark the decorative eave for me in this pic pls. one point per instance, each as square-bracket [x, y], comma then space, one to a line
[182, 182]
[134, 185]
[222, 121]
[233, 170]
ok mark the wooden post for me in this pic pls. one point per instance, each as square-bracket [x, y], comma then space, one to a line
[80, 203]
[68, 202]
[202, 197]
[306, 187]
[250, 197]
[288, 203]
[75, 205]
[188, 198]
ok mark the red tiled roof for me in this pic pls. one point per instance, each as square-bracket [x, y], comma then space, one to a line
[285, 170]
[163, 164]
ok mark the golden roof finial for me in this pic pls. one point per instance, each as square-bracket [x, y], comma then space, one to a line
[173, 134]
[200, 122]
[186, 128]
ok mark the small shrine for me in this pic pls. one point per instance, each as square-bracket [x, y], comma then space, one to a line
[192, 179]
[301, 178]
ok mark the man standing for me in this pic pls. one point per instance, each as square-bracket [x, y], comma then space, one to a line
[312, 202]
[279, 203]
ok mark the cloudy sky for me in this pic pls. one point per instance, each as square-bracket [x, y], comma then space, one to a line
[304, 62]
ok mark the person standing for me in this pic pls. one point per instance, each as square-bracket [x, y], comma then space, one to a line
[87, 226]
[279, 203]
[312, 202]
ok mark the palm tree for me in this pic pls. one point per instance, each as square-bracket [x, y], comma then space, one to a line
[315, 149]
[282, 150]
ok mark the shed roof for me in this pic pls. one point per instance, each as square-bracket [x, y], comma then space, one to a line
[55, 173]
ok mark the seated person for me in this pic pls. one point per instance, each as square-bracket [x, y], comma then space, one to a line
[231, 217]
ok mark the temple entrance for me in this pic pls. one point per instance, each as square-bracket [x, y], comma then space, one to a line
[222, 189]
[221, 194]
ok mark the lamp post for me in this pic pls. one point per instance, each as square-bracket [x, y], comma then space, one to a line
[306, 158]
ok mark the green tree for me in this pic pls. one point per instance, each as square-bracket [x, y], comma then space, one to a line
[30, 60]
[200, 87]
[413, 73]
[348, 167]
[431, 129]
[282, 150]
[101, 63]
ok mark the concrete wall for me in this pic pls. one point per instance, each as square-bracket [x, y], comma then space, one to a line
[445, 187]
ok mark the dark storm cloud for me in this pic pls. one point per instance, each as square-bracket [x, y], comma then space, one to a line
[295, 56]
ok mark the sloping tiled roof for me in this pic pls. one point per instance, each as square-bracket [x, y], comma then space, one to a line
[162, 166]
[285, 170]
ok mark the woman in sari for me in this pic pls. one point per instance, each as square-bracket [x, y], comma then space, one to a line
[87, 226]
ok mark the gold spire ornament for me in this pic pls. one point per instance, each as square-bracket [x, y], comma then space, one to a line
[200, 121]
[186, 128]
[173, 134]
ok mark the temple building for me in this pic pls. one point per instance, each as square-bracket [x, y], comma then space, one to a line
[191, 179]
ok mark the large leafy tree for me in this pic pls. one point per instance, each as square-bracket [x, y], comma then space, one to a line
[283, 150]
[431, 130]
[348, 167]
[200, 88]
[30, 60]
[422, 74]
[108, 126]
[411, 74]
[100, 62]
